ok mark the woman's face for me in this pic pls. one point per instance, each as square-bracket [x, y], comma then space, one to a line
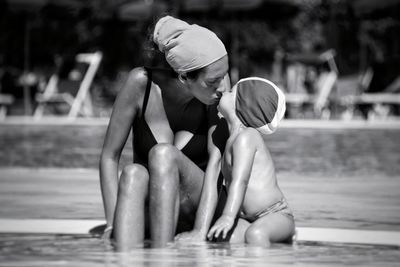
[210, 84]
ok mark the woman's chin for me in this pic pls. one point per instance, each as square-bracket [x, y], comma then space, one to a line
[209, 102]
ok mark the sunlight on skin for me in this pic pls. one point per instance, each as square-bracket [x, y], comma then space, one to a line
[182, 138]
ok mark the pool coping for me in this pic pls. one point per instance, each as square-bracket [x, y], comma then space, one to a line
[303, 234]
[286, 123]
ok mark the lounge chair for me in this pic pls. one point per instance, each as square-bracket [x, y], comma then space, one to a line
[74, 94]
[5, 101]
[387, 96]
[296, 94]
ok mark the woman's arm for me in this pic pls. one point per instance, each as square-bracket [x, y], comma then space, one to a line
[243, 152]
[209, 195]
[123, 114]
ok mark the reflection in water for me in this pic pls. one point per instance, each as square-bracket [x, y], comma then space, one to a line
[50, 250]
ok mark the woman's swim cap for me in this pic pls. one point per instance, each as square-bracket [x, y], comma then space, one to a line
[187, 47]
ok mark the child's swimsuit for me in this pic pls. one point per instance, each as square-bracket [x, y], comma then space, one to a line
[281, 206]
[192, 118]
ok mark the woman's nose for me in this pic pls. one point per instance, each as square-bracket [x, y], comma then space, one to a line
[219, 94]
[221, 87]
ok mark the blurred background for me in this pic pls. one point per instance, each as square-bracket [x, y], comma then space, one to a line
[335, 59]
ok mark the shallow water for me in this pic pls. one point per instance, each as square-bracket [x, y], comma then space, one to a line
[68, 250]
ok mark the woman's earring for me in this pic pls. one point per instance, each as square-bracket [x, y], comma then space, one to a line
[182, 78]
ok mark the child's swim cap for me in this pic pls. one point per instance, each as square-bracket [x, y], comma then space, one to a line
[259, 104]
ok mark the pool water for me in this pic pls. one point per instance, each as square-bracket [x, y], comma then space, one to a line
[69, 250]
[342, 178]
[330, 152]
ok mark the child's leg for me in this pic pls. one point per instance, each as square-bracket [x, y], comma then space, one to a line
[270, 228]
[239, 232]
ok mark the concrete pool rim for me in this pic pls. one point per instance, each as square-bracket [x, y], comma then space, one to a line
[286, 123]
[303, 234]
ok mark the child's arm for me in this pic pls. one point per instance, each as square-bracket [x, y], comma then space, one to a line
[208, 199]
[243, 152]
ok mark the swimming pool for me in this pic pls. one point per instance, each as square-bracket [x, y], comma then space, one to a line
[347, 179]
[85, 250]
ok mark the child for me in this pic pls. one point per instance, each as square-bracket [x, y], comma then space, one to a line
[252, 108]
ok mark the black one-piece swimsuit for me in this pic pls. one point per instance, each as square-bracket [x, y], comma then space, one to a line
[192, 118]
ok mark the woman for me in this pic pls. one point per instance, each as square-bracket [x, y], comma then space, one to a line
[172, 116]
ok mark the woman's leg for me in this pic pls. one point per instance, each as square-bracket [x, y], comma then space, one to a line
[175, 188]
[129, 219]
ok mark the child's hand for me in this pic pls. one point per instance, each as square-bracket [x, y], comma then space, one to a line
[223, 224]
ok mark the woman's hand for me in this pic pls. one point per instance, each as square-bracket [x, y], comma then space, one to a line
[191, 236]
[222, 225]
[107, 233]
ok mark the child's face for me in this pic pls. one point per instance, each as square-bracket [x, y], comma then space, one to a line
[227, 103]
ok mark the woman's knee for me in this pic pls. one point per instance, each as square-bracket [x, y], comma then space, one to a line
[256, 236]
[163, 151]
[133, 176]
[162, 157]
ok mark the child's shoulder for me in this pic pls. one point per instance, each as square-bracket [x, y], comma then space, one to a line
[248, 136]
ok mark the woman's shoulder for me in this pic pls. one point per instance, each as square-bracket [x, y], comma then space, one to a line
[133, 90]
[135, 85]
[137, 77]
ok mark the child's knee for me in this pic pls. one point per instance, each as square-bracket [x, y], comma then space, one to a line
[257, 236]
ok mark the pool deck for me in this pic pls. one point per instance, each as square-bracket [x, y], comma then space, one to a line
[357, 203]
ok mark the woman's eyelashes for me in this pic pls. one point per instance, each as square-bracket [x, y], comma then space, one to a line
[214, 83]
